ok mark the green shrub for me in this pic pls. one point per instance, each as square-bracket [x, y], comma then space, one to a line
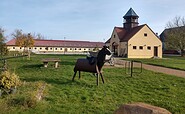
[9, 80]
[27, 95]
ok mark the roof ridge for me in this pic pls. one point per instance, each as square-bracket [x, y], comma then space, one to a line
[63, 40]
[118, 27]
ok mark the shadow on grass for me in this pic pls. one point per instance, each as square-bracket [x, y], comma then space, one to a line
[58, 81]
[67, 63]
[62, 80]
[32, 66]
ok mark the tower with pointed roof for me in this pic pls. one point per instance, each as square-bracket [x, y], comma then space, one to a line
[130, 19]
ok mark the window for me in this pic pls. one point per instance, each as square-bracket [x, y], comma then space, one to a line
[114, 36]
[13, 47]
[35, 48]
[84, 49]
[134, 47]
[20, 47]
[149, 48]
[79, 48]
[75, 48]
[60, 48]
[40, 48]
[89, 49]
[29, 48]
[50, 48]
[70, 48]
[55, 48]
[141, 47]
[145, 34]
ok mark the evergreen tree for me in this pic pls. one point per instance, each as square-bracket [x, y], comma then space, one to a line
[3, 48]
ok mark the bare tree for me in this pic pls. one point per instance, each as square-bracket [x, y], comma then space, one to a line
[24, 40]
[40, 36]
[175, 34]
[19, 36]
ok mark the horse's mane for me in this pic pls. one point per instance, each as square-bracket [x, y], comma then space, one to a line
[101, 57]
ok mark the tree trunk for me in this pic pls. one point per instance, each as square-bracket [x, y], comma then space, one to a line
[182, 52]
[29, 54]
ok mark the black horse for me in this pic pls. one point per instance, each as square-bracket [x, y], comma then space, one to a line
[84, 65]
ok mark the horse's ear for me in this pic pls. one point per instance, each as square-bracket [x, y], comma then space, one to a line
[105, 46]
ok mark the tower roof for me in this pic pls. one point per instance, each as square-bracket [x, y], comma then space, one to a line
[130, 13]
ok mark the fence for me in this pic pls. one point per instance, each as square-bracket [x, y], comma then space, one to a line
[4, 61]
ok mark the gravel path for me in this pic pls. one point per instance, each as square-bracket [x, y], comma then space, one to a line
[179, 73]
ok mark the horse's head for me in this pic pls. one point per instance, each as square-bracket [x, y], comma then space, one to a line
[103, 52]
[106, 50]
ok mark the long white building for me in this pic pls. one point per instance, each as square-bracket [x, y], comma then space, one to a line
[57, 46]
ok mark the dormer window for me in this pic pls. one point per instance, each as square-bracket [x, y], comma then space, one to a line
[114, 36]
[145, 34]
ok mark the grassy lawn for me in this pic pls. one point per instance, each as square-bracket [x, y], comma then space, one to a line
[83, 96]
[166, 61]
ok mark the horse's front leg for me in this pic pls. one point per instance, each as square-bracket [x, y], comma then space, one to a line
[74, 75]
[79, 74]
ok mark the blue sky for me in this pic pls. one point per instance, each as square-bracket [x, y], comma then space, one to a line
[89, 20]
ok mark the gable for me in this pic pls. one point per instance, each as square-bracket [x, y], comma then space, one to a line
[115, 37]
[145, 36]
[123, 34]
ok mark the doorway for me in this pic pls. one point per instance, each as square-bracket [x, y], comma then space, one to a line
[65, 50]
[115, 48]
[155, 51]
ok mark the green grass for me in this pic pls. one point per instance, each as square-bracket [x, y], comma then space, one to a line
[83, 96]
[167, 61]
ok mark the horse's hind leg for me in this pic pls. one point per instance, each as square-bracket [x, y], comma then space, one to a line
[97, 81]
[102, 77]
[74, 75]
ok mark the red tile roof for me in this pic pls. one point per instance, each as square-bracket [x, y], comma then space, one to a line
[61, 43]
[129, 34]
[125, 35]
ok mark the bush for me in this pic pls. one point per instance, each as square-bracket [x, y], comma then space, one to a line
[9, 80]
[27, 96]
